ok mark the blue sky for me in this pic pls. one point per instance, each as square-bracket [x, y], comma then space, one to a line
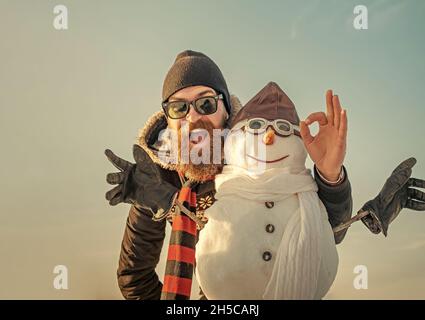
[68, 95]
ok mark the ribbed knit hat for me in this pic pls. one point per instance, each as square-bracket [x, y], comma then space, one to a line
[193, 68]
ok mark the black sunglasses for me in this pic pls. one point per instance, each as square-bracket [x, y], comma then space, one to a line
[179, 109]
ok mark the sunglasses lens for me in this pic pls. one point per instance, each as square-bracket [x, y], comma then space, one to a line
[206, 105]
[177, 109]
[256, 124]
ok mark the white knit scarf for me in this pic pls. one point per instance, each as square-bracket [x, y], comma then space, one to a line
[296, 268]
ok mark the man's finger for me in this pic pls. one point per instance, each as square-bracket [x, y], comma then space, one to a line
[317, 116]
[119, 163]
[305, 133]
[113, 192]
[419, 183]
[115, 178]
[343, 126]
[415, 205]
[416, 194]
[337, 111]
[329, 107]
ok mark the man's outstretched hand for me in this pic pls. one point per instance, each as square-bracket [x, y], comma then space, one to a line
[327, 148]
[398, 192]
[140, 183]
[117, 194]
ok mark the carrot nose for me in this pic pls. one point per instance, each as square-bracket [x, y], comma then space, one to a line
[268, 137]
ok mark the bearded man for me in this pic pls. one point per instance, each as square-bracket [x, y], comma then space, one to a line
[164, 182]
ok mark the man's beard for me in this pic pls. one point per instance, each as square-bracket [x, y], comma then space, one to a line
[187, 146]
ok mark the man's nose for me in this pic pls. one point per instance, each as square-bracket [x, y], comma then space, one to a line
[193, 116]
[268, 137]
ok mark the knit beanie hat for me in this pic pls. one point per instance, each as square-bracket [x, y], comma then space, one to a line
[193, 68]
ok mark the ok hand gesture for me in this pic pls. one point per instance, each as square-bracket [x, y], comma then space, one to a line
[327, 148]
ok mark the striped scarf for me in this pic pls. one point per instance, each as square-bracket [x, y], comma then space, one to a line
[181, 250]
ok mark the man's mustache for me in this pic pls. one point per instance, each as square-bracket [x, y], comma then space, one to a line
[195, 131]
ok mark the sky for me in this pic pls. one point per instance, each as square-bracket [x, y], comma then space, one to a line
[67, 95]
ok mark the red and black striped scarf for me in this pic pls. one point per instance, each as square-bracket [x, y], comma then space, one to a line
[181, 251]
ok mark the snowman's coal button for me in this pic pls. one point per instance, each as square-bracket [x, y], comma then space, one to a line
[267, 256]
[269, 204]
[269, 228]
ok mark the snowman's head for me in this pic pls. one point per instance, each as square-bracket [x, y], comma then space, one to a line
[259, 144]
[266, 135]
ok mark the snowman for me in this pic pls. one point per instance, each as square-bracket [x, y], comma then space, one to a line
[268, 234]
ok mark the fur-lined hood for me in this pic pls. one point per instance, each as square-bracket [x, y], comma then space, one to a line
[148, 135]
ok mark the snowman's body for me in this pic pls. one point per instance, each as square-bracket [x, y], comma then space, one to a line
[235, 242]
[268, 234]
